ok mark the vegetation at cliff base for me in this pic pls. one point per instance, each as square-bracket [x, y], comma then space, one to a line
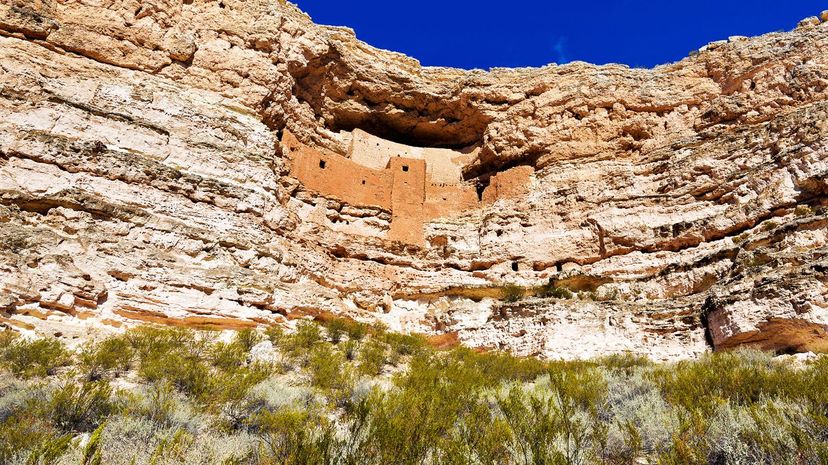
[341, 392]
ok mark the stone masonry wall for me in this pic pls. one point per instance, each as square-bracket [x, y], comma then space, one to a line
[404, 185]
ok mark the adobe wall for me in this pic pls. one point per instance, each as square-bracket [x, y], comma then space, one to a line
[513, 182]
[337, 176]
[442, 165]
[407, 199]
[404, 184]
[448, 199]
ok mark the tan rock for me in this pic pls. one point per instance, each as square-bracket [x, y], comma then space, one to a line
[167, 170]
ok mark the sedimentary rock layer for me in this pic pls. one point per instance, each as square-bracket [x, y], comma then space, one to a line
[143, 178]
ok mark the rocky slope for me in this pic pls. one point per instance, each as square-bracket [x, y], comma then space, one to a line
[143, 178]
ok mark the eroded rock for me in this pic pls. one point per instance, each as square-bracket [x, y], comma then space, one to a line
[148, 173]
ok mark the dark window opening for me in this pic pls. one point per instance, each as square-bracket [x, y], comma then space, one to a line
[558, 267]
[405, 167]
[322, 164]
[480, 187]
[363, 182]
[514, 266]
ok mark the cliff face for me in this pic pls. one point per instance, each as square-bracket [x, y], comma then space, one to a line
[146, 174]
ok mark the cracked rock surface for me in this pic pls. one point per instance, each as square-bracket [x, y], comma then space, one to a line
[142, 179]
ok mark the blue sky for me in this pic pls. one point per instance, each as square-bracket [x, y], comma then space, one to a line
[484, 34]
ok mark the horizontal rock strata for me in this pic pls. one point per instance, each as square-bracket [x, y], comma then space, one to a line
[145, 176]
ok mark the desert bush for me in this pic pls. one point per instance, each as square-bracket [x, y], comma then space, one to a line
[26, 438]
[511, 293]
[292, 436]
[325, 367]
[497, 367]
[637, 415]
[78, 406]
[274, 393]
[7, 337]
[356, 330]
[558, 421]
[162, 405]
[40, 357]
[228, 356]
[246, 339]
[173, 448]
[337, 328]
[113, 354]
[404, 344]
[128, 439]
[740, 377]
[275, 334]
[302, 341]
[550, 290]
[372, 357]
[350, 349]
[204, 402]
[92, 450]
[803, 210]
[185, 371]
[230, 392]
[480, 436]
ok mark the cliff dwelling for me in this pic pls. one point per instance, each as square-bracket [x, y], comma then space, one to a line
[416, 184]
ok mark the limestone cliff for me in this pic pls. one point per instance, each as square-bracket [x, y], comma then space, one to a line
[160, 161]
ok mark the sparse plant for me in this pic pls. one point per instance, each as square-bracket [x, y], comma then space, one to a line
[550, 290]
[803, 210]
[372, 358]
[512, 293]
[40, 357]
[111, 355]
[79, 407]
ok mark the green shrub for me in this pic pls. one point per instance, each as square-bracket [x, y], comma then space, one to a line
[302, 341]
[92, 450]
[559, 426]
[205, 402]
[174, 448]
[404, 344]
[275, 334]
[803, 210]
[497, 367]
[336, 330]
[349, 349]
[372, 357]
[511, 293]
[328, 369]
[40, 357]
[7, 337]
[109, 355]
[247, 339]
[626, 362]
[291, 436]
[549, 290]
[79, 406]
[739, 377]
[228, 356]
[183, 369]
[25, 435]
[356, 330]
